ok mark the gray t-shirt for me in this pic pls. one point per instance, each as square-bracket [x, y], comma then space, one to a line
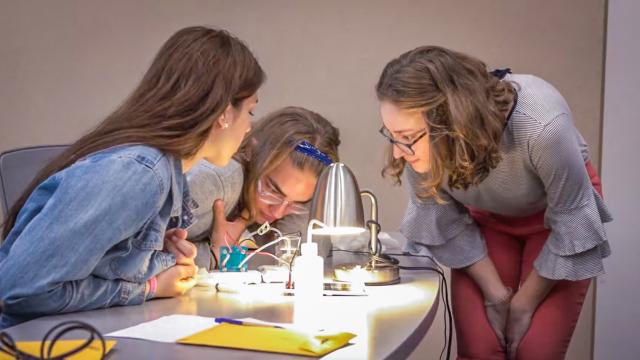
[542, 167]
[208, 183]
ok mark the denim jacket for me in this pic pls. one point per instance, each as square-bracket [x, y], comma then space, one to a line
[92, 234]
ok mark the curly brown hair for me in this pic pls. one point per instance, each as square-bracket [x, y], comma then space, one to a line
[464, 108]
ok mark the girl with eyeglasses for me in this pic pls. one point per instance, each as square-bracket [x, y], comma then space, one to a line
[503, 193]
[272, 180]
[93, 230]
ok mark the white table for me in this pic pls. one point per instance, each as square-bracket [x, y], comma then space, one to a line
[390, 322]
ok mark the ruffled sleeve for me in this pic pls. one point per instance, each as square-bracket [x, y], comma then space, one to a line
[447, 230]
[575, 212]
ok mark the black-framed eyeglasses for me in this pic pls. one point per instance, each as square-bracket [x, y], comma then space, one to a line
[406, 147]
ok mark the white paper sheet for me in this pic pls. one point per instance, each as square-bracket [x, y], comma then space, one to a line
[167, 328]
[172, 328]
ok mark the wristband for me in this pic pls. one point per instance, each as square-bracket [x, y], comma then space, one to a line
[153, 286]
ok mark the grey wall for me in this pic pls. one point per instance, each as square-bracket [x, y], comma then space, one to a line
[64, 65]
[618, 293]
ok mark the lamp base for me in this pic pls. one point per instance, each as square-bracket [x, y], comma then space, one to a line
[376, 271]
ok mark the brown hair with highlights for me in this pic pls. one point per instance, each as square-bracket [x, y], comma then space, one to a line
[273, 139]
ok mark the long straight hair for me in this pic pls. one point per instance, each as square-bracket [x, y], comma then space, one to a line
[464, 108]
[196, 74]
[273, 139]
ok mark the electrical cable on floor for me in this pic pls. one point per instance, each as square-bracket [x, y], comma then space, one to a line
[8, 345]
[448, 318]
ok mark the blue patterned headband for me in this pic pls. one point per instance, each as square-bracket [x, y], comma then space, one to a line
[307, 149]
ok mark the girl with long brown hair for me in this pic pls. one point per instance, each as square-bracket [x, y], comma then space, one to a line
[503, 192]
[89, 232]
[272, 180]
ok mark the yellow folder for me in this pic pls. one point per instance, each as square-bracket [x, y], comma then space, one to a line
[269, 339]
[92, 352]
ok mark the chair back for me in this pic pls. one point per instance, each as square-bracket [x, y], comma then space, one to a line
[18, 168]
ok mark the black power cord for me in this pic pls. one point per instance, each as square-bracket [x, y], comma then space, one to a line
[445, 299]
[9, 346]
[448, 318]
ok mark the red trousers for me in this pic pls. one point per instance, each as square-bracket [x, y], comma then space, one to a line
[513, 244]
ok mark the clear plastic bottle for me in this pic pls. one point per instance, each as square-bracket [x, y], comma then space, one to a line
[308, 272]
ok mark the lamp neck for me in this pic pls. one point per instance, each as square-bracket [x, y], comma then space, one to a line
[374, 203]
[374, 227]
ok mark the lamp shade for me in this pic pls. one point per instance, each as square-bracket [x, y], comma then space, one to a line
[337, 202]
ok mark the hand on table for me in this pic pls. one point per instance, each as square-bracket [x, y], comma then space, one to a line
[175, 281]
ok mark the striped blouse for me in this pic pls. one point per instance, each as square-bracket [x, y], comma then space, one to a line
[542, 168]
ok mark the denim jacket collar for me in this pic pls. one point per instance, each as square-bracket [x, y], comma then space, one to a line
[183, 204]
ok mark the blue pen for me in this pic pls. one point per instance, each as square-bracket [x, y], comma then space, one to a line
[221, 320]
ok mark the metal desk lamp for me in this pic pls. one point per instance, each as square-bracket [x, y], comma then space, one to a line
[337, 204]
